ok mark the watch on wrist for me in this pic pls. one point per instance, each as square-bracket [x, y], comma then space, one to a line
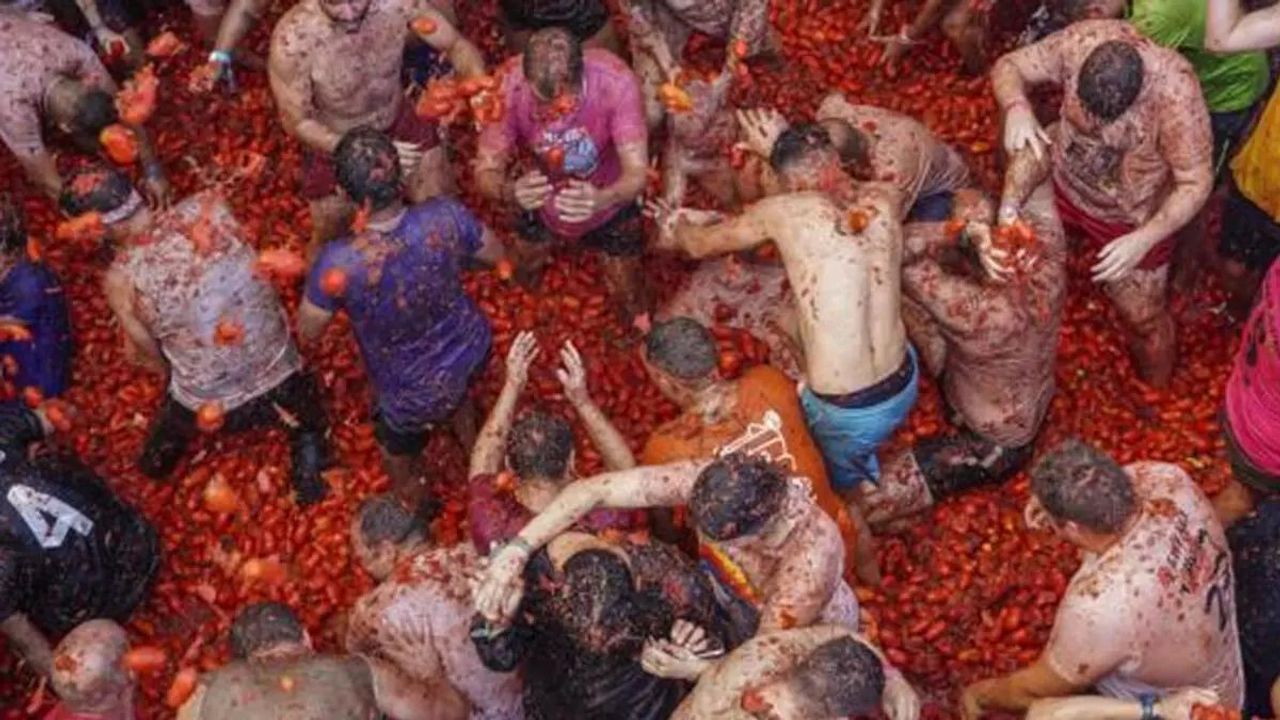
[222, 57]
[1148, 701]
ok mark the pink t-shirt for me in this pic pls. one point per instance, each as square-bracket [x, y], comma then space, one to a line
[34, 56]
[1253, 392]
[610, 113]
[1156, 611]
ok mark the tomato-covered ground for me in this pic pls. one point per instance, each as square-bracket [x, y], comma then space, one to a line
[969, 592]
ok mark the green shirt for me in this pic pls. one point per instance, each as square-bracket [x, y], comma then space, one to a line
[1230, 82]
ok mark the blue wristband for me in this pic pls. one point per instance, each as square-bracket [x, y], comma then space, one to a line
[1148, 706]
[220, 56]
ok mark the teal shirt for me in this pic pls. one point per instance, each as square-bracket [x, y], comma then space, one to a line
[1229, 82]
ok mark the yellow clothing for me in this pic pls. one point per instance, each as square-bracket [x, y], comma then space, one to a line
[1256, 168]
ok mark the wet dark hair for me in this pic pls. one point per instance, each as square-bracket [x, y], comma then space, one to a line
[384, 519]
[1076, 483]
[13, 226]
[94, 110]
[540, 445]
[843, 675]
[599, 608]
[682, 347]
[1110, 79]
[95, 186]
[736, 495]
[262, 625]
[368, 167]
[797, 143]
[856, 151]
[553, 61]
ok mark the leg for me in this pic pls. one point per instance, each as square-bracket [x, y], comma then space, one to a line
[433, 178]
[295, 404]
[401, 454]
[623, 276]
[1141, 299]
[171, 433]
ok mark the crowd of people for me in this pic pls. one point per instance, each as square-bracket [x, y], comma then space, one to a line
[708, 575]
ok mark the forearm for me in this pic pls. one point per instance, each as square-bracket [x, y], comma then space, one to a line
[925, 19]
[1010, 694]
[89, 8]
[612, 446]
[236, 24]
[491, 179]
[571, 505]
[1178, 209]
[1024, 174]
[29, 642]
[43, 172]
[1085, 708]
[466, 58]
[627, 188]
[313, 134]
[1228, 29]
[491, 443]
[1007, 83]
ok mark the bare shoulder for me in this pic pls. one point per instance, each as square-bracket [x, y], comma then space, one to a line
[297, 30]
[884, 197]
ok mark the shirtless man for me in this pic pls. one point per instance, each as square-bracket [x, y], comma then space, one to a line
[1000, 337]
[419, 618]
[815, 673]
[774, 557]
[184, 287]
[275, 673]
[841, 245]
[88, 676]
[336, 65]
[1131, 162]
[49, 78]
[1150, 610]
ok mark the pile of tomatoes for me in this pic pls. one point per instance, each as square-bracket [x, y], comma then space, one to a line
[968, 590]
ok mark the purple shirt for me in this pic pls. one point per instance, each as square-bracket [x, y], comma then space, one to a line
[610, 113]
[420, 335]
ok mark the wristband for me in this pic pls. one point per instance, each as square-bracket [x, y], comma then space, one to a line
[222, 57]
[520, 544]
[1148, 706]
[1016, 101]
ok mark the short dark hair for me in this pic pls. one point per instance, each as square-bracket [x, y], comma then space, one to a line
[262, 625]
[844, 675]
[368, 167]
[540, 446]
[598, 607]
[682, 347]
[13, 226]
[797, 143]
[553, 61]
[95, 186]
[1076, 483]
[94, 110]
[384, 519]
[1110, 79]
[736, 495]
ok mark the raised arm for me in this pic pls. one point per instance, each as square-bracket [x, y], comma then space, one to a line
[288, 71]
[491, 444]
[1228, 29]
[612, 446]
[1011, 77]
[29, 643]
[465, 57]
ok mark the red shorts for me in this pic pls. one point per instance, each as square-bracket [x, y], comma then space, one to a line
[1098, 233]
[319, 177]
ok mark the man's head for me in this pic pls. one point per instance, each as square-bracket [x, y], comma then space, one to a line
[598, 606]
[840, 678]
[553, 63]
[382, 532]
[804, 158]
[368, 168]
[851, 144]
[1087, 497]
[681, 356]
[265, 629]
[104, 189]
[346, 15]
[13, 229]
[87, 670]
[81, 111]
[1110, 80]
[736, 496]
[540, 446]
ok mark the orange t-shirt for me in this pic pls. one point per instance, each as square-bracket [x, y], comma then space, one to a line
[766, 420]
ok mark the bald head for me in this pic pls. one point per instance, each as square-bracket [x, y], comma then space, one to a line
[87, 670]
[553, 63]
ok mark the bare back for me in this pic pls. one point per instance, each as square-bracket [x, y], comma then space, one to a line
[309, 688]
[847, 284]
[341, 80]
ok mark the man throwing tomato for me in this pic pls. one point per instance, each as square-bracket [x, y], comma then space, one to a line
[336, 65]
[1132, 162]
[580, 113]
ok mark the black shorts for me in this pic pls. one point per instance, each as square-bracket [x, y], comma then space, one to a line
[583, 18]
[621, 236]
[1249, 235]
[395, 441]
[1229, 128]
[953, 464]
[1255, 554]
